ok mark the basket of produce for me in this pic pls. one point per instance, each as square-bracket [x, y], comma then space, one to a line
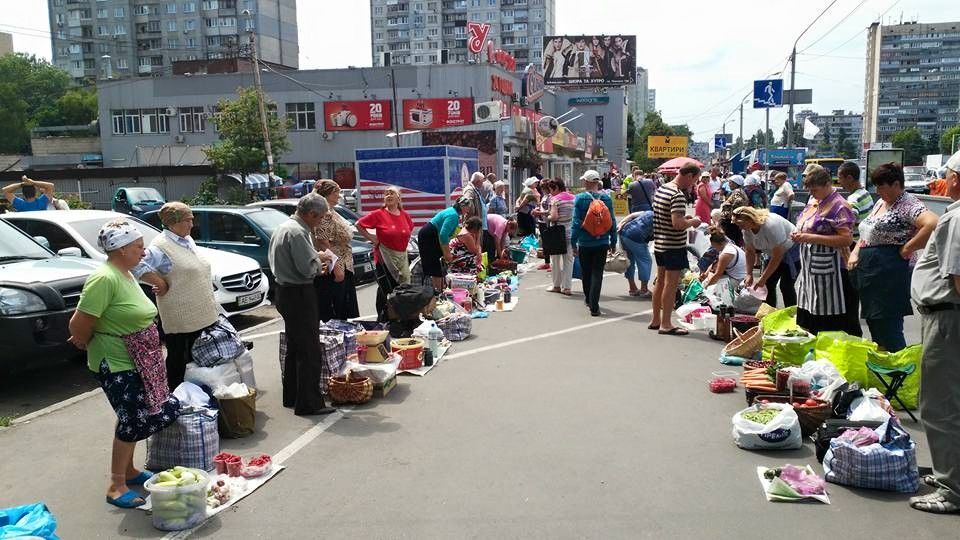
[764, 310]
[756, 364]
[350, 389]
[812, 412]
[178, 497]
[501, 265]
[746, 344]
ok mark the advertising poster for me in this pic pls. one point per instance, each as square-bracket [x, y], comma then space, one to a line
[589, 60]
[659, 147]
[437, 113]
[368, 115]
[484, 141]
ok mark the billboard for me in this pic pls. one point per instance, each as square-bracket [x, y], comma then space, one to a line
[659, 147]
[370, 115]
[437, 113]
[484, 141]
[589, 60]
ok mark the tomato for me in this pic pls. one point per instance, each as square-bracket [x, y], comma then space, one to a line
[812, 403]
[765, 401]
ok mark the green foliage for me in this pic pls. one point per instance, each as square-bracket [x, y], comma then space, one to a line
[206, 194]
[947, 140]
[29, 89]
[75, 203]
[846, 147]
[241, 146]
[653, 124]
[913, 144]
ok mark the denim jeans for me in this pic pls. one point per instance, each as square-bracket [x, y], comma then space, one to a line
[640, 261]
[888, 333]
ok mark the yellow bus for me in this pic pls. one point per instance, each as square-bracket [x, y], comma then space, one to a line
[831, 164]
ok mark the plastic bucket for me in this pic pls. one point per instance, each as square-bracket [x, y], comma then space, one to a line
[518, 255]
[180, 507]
[410, 351]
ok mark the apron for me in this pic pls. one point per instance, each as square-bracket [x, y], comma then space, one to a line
[144, 349]
[882, 277]
[819, 288]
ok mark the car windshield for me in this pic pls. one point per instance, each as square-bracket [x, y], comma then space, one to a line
[15, 245]
[143, 195]
[89, 229]
[268, 219]
[347, 214]
[912, 177]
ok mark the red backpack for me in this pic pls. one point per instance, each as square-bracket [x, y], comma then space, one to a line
[597, 222]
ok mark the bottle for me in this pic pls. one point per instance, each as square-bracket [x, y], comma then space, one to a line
[810, 357]
[506, 295]
[500, 303]
[427, 356]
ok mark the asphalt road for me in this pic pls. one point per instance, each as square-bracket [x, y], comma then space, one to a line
[548, 423]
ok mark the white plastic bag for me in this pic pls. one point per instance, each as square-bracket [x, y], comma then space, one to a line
[746, 301]
[234, 391]
[219, 375]
[244, 364]
[780, 433]
[868, 408]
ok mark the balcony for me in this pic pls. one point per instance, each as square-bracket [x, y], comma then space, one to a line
[143, 70]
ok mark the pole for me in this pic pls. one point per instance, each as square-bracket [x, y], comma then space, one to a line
[255, 53]
[766, 145]
[393, 106]
[793, 76]
[741, 126]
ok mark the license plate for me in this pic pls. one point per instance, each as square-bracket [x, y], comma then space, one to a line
[366, 267]
[249, 299]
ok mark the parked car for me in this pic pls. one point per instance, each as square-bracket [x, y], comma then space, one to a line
[348, 198]
[136, 201]
[39, 291]
[289, 206]
[916, 180]
[239, 285]
[246, 230]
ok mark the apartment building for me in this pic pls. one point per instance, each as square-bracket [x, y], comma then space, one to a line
[637, 96]
[423, 32]
[115, 39]
[831, 125]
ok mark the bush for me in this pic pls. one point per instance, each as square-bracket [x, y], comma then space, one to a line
[75, 203]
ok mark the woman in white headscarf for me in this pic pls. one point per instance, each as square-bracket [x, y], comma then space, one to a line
[114, 323]
[737, 198]
[528, 200]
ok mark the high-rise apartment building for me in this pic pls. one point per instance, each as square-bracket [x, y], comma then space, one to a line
[637, 96]
[416, 31]
[101, 39]
[652, 99]
[835, 126]
[6, 43]
[912, 79]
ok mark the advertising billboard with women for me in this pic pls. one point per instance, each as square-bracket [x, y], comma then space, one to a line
[589, 60]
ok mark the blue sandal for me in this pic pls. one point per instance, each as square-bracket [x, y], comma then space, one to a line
[127, 500]
[139, 479]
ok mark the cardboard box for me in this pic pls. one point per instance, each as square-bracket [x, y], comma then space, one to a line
[382, 389]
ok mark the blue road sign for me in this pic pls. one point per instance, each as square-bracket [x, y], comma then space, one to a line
[768, 94]
[719, 142]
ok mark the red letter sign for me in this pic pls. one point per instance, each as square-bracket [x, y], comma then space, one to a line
[478, 33]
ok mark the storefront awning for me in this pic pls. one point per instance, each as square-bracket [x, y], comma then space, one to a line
[257, 180]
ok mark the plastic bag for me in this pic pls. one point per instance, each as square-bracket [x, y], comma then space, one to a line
[791, 352]
[780, 320]
[821, 373]
[692, 291]
[911, 355]
[529, 243]
[29, 520]
[848, 353]
[220, 375]
[782, 432]
[868, 408]
[244, 364]
[688, 311]
[746, 301]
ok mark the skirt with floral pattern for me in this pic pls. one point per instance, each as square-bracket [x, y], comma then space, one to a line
[125, 391]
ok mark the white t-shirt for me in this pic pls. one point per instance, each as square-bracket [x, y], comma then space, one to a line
[737, 268]
[783, 195]
[775, 232]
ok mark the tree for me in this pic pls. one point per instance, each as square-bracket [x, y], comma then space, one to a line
[653, 124]
[825, 145]
[241, 146]
[948, 140]
[846, 147]
[913, 144]
[797, 134]
[77, 107]
[27, 85]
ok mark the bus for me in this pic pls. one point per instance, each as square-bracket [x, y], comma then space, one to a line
[832, 165]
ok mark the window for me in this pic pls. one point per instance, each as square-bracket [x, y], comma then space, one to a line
[190, 43]
[104, 48]
[122, 63]
[189, 7]
[117, 117]
[190, 24]
[120, 30]
[172, 8]
[131, 121]
[173, 43]
[302, 116]
[58, 238]
[171, 26]
[225, 227]
[210, 4]
[134, 121]
[142, 9]
[192, 120]
[249, 25]
[101, 13]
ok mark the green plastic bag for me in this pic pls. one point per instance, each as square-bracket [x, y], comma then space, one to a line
[692, 292]
[780, 320]
[848, 354]
[792, 354]
[910, 390]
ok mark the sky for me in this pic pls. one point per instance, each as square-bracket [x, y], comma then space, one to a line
[702, 56]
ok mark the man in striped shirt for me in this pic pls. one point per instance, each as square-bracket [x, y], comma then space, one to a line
[859, 199]
[670, 224]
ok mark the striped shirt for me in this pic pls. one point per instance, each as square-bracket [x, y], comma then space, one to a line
[862, 204]
[667, 201]
[563, 202]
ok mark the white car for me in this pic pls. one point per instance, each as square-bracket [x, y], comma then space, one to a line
[238, 283]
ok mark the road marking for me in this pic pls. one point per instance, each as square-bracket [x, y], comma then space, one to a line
[275, 332]
[55, 407]
[545, 335]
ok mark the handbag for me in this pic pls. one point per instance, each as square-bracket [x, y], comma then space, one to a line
[618, 262]
[640, 229]
[554, 240]
[192, 441]
[216, 343]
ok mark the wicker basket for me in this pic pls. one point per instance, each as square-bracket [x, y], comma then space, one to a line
[347, 389]
[764, 310]
[811, 418]
[746, 344]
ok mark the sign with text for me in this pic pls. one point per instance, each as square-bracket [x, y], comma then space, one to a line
[589, 60]
[532, 85]
[659, 147]
[370, 115]
[437, 113]
[478, 34]
[588, 100]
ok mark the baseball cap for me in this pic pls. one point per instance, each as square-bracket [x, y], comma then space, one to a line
[590, 176]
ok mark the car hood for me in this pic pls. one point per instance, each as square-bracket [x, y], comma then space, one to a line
[47, 270]
[224, 263]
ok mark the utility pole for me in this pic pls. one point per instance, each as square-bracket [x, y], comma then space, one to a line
[741, 126]
[766, 145]
[255, 56]
[393, 107]
[793, 76]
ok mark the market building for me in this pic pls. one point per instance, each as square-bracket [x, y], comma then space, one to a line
[912, 79]
[166, 120]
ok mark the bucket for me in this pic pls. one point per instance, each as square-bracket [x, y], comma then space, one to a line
[410, 351]
[459, 295]
[517, 255]
[177, 508]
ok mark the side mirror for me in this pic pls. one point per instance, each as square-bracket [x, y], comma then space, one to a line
[42, 240]
[70, 252]
[251, 239]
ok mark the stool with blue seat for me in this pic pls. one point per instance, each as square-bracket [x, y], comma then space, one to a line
[897, 376]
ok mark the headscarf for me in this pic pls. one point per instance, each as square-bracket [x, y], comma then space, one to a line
[172, 213]
[752, 180]
[117, 234]
[736, 179]
[954, 162]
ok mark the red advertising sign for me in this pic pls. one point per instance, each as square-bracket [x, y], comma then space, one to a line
[370, 115]
[437, 113]
[478, 32]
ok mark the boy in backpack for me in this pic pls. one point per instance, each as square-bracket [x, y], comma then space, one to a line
[592, 234]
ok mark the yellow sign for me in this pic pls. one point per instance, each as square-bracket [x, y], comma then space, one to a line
[666, 147]
[620, 207]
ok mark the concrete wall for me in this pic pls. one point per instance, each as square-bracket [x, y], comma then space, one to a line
[45, 146]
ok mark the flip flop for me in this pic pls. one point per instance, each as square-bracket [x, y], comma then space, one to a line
[566, 292]
[653, 327]
[675, 331]
[935, 503]
[127, 500]
[930, 480]
[139, 479]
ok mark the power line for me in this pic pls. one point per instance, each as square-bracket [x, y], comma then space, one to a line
[834, 27]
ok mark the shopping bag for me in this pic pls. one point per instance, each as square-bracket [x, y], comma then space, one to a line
[848, 353]
[617, 262]
[577, 272]
[554, 240]
[781, 320]
[782, 432]
[191, 441]
[456, 326]
[889, 465]
[28, 521]
[216, 343]
[237, 417]
[910, 390]
[219, 375]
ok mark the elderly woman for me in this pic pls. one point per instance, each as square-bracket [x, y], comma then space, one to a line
[898, 226]
[736, 199]
[466, 249]
[336, 293]
[766, 232]
[826, 300]
[561, 213]
[782, 197]
[391, 227]
[527, 201]
[434, 239]
[498, 202]
[114, 323]
[181, 276]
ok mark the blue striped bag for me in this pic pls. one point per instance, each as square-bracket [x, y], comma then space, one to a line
[192, 441]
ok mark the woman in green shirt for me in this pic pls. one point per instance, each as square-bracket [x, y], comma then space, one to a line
[114, 323]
